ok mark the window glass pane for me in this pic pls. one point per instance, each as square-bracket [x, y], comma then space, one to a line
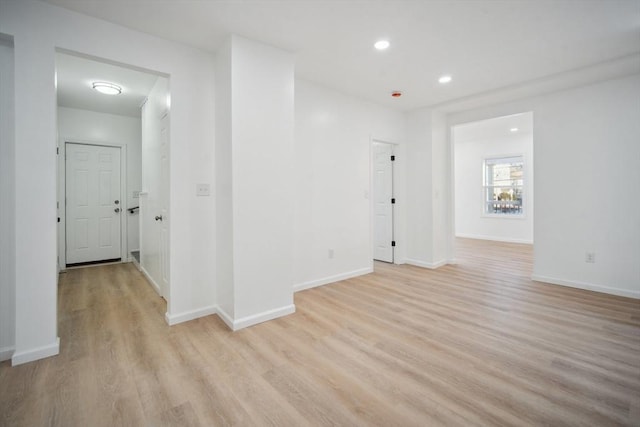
[503, 184]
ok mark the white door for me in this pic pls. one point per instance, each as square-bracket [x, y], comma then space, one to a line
[94, 206]
[163, 202]
[382, 202]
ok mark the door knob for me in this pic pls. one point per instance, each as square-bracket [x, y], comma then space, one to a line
[117, 202]
[116, 210]
[159, 218]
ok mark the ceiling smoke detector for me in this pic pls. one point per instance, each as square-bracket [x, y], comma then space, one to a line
[396, 94]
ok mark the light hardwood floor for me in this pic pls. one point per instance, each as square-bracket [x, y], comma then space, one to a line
[477, 343]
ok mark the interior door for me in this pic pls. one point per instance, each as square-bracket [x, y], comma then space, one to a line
[93, 207]
[163, 202]
[382, 201]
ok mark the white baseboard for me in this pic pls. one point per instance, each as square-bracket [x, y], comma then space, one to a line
[494, 238]
[587, 286]
[430, 265]
[331, 279]
[38, 353]
[228, 320]
[254, 319]
[174, 319]
[151, 281]
[6, 353]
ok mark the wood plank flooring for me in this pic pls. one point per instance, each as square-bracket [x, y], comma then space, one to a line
[477, 343]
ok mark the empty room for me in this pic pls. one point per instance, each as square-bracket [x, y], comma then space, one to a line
[316, 212]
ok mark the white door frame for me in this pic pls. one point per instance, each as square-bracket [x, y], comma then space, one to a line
[62, 194]
[398, 208]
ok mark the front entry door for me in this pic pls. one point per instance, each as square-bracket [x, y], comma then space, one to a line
[94, 203]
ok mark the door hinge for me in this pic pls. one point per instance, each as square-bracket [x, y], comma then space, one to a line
[57, 150]
[393, 200]
[393, 158]
[393, 243]
[58, 219]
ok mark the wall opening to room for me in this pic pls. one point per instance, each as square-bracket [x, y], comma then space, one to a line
[113, 145]
[493, 180]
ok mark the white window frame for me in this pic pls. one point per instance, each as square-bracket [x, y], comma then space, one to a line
[507, 211]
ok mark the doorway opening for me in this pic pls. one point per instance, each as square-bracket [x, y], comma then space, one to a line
[493, 182]
[113, 161]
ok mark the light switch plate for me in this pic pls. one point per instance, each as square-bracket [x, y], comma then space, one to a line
[202, 189]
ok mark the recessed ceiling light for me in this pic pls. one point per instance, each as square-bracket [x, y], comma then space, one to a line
[382, 44]
[444, 79]
[107, 88]
[514, 129]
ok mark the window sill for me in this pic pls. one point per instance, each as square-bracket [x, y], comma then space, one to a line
[505, 216]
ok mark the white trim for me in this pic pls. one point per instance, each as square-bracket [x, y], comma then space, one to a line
[430, 265]
[174, 319]
[6, 353]
[150, 280]
[224, 316]
[494, 239]
[36, 353]
[254, 319]
[331, 279]
[587, 286]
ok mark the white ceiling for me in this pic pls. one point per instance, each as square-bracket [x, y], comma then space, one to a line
[484, 44]
[75, 76]
[494, 129]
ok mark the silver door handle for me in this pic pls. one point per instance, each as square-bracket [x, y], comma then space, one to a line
[159, 218]
[116, 210]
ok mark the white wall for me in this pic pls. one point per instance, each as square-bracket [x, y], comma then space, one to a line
[586, 157]
[92, 127]
[38, 29]
[470, 219]
[224, 185]
[263, 122]
[333, 135]
[7, 203]
[429, 189]
[255, 115]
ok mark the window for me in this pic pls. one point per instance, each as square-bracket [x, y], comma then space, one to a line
[503, 185]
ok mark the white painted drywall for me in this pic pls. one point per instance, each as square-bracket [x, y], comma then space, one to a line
[428, 189]
[38, 29]
[224, 195]
[262, 89]
[76, 125]
[7, 203]
[255, 88]
[470, 219]
[254, 181]
[586, 156]
[333, 136]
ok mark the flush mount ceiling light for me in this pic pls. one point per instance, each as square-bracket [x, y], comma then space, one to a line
[513, 130]
[444, 79]
[107, 88]
[381, 44]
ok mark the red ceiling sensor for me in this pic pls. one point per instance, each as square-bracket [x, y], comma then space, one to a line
[396, 94]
